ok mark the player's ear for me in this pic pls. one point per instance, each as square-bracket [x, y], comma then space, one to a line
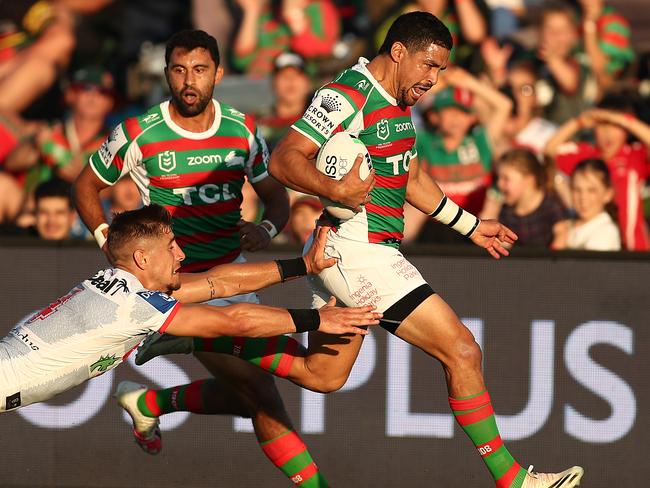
[218, 75]
[140, 258]
[397, 51]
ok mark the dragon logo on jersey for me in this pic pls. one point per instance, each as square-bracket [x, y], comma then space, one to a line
[383, 130]
[330, 103]
[167, 161]
[103, 363]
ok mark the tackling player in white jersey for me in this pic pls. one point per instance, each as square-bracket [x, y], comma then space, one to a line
[94, 327]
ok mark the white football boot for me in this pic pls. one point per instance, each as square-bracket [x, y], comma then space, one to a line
[566, 479]
[145, 429]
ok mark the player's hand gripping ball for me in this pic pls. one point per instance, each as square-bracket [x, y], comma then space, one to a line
[335, 159]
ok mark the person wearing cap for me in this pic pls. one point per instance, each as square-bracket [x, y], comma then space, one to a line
[62, 149]
[292, 90]
[457, 148]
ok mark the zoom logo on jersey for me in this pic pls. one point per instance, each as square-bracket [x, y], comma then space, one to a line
[107, 285]
[402, 126]
[205, 159]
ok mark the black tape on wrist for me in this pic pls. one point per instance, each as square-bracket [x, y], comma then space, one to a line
[291, 268]
[305, 319]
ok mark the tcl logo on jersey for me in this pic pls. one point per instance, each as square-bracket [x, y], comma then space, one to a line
[405, 159]
[208, 193]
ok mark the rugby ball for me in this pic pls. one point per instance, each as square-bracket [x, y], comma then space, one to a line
[335, 159]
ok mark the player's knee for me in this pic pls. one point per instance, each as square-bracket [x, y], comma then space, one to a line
[328, 385]
[466, 352]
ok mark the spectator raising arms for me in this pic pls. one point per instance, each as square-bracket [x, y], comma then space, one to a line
[307, 27]
[564, 69]
[63, 149]
[611, 124]
[606, 38]
[530, 206]
[457, 153]
[593, 228]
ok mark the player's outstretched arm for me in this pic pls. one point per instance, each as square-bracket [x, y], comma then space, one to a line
[252, 320]
[425, 195]
[235, 279]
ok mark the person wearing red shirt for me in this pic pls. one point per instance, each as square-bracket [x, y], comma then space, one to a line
[628, 163]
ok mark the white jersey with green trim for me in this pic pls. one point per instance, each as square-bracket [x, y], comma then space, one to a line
[90, 330]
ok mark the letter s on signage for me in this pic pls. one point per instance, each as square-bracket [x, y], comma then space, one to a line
[600, 381]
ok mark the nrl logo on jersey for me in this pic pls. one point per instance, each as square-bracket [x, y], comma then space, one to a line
[167, 161]
[383, 130]
[150, 118]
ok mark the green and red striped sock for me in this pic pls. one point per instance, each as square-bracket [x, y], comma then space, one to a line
[183, 398]
[289, 453]
[476, 416]
[273, 354]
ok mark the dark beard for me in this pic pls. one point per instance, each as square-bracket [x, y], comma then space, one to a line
[187, 111]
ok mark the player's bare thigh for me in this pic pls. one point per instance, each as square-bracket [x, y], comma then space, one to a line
[436, 329]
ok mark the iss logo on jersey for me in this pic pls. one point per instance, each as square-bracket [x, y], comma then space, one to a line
[167, 161]
[383, 131]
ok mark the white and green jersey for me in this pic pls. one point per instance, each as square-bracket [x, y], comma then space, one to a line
[83, 334]
[197, 177]
[356, 103]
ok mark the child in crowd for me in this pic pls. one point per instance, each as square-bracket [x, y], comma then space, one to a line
[593, 229]
[566, 87]
[611, 124]
[457, 149]
[530, 206]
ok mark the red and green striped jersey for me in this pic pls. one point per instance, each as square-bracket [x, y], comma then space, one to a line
[274, 37]
[614, 40]
[356, 103]
[59, 149]
[463, 174]
[198, 177]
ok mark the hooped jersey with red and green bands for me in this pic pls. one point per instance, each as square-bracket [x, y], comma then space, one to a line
[356, 103]
[197, 177]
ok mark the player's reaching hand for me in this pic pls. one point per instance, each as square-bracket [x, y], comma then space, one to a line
[490, 234]
[315, 259]
[352, 190]
[253, 237]
[337, 320]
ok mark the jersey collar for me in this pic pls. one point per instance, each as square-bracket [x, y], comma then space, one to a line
[164, 108]
[361, 67]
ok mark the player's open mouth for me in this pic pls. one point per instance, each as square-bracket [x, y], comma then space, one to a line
[418, 91]
[190, 97]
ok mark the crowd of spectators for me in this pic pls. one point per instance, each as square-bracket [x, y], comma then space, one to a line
[539, 120]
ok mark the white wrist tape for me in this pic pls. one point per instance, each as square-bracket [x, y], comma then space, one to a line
[270, 228]
[99, 234]
[455, 217]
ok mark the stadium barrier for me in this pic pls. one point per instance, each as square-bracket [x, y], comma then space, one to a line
[566, 353]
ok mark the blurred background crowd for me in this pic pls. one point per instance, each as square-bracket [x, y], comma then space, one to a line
[540, 119]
